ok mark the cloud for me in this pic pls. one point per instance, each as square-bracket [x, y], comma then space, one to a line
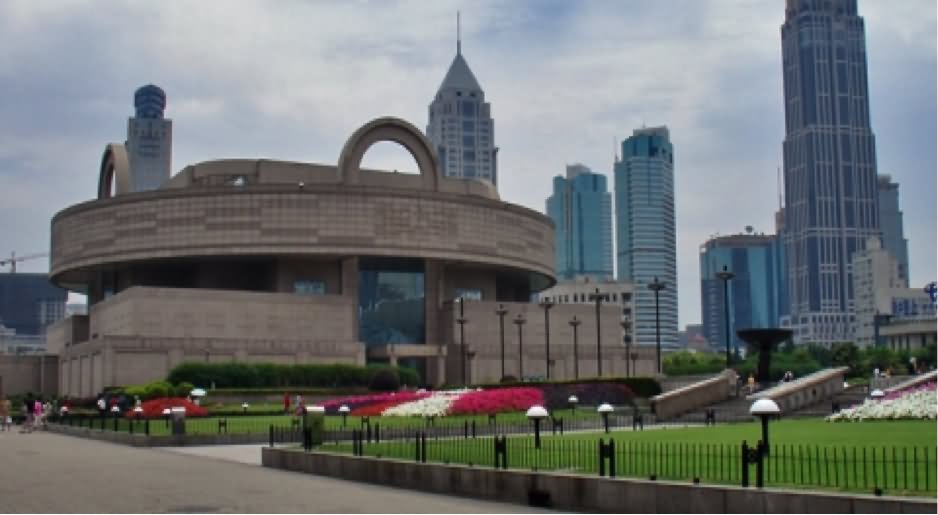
[292, 80]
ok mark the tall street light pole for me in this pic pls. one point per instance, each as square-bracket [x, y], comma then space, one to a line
[656, 287]
[519, 321]
[598, 299]
[725, 276]
[626, 325]
[547, 304]
[462, 338]
[576, 358]
[501, 312]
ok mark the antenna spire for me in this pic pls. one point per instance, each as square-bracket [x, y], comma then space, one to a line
[458, 36]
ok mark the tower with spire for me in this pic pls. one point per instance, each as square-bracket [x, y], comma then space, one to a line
[460, 123]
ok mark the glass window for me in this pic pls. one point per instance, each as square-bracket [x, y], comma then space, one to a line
[469, 155]
[468, 109]
[306, 287]
[469, 141]
[469, 293]
[391, 301]
[469, 125]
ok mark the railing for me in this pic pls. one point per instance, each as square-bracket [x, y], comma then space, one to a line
[899, 470]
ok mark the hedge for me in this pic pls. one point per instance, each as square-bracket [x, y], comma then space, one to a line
[640, 386]
[271, 375]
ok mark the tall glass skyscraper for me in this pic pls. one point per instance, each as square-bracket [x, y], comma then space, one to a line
[830, 163]
[581, 208]
[645, 233]
[149, 140]
[461, 126]
[754, 292]
[890, 220]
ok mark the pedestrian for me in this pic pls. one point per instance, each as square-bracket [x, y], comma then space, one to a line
[102, 405]
[37, 413]
[5, 415]
[286, 403]
[751, 382]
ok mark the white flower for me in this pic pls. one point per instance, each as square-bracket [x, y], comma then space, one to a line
[921, 404]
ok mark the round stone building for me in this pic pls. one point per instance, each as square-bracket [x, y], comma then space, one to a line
[271, 261]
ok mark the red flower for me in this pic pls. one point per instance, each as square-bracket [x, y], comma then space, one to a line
[488, 402]
[153, 408]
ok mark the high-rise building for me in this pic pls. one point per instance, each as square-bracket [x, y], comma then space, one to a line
[29, 303]
[829, 162]
[890, 221]
[753, 291]
[581, 208]
[645, 232]
[461, 126]
[149, 140]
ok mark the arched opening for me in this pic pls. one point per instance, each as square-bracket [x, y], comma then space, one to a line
[389, 130]
[114, 175]
[389, 156]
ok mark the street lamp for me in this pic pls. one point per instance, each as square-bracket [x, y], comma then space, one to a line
[519, 321]
[244, 408]
[605, 409]
[547, 304]
[877, 394]
[537, 413]
[462, 338]
[598, 299]
[344, 410]
[626, 325]
[656, 287]
[725, 276]
[764, 408]
[574, 323]
[572, 400]
[501, 312]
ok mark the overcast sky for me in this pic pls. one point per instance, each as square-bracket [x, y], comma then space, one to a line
[292, 80]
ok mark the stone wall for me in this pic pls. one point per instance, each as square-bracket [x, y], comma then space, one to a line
[806, 391]
[694, 396]
[24, 374]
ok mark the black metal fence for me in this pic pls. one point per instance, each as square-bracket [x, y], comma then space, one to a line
[897, 469]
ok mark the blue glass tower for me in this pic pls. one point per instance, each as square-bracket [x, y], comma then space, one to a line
[754, 292]
[645, 232]
[581, 208]
[829, 162]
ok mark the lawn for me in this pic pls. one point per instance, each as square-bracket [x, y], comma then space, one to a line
[896, 456]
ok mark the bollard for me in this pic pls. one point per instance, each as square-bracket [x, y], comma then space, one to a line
[271, 435]
[423, 447]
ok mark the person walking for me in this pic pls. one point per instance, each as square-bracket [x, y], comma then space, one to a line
[751, 382]
[5, 414]
[286, 403]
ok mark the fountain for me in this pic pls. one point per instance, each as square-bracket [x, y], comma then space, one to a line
[764, 341]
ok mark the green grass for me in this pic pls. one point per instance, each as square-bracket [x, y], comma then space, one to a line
[897, 456]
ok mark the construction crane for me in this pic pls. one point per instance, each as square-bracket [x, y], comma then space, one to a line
[14, 259]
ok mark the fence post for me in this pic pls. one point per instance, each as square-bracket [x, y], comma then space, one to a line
[760, 463]
[611, 448]
[744, 470]
[417, 446]
[423, 447]
[146, 427]
[465, 429]
[271, 435]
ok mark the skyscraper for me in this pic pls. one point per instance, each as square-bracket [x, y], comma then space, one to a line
[753, 292]
[461, 126]
[149, 140]
[645, 233]
[890, 221]
[830, 163]
[581, 208]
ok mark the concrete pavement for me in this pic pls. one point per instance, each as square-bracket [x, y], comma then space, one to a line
[50, 473]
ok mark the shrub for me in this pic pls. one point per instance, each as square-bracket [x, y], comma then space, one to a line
[384, 380]
[271, 375]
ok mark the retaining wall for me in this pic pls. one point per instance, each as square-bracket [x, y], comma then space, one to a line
[696, 395]
[142, 440]
[582, 493]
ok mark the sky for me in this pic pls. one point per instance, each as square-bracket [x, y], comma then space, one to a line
[292, 80]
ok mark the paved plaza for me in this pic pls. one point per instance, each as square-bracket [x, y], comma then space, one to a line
[50, 473]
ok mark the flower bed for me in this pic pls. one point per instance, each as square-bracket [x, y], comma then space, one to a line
[154, 408]
[489, 402]
[914, 403]
[361, 401]
[435, 405]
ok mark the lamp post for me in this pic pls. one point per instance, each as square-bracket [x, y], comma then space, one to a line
[605, 409]
[547, 304]
[343, 410]
[572, 400]
[877, 394]
[598, 299]
[501, 312]
[656, 287]
[634, 356]
[764, 408]
[574, 323]
[536, 414]
[626, 325]
[462, 339]
[519, 321]
[725, 276]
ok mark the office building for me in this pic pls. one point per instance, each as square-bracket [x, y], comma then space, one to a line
[890, 221]
[645, 231]
[461, 126]
[149, 140]
[754, 295]
[875, 276]
[829, 164]
[581, 208]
